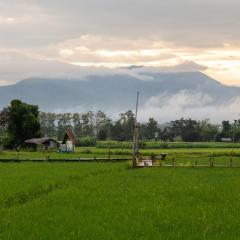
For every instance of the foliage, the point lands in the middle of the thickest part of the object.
(209, 131)
(4, 117)
(150, 129)
(98, 125)
(188, 129)
(122, 130)
(103, 126)
(23, 123)
(87, 142)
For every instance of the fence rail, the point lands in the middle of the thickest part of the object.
(174, 163)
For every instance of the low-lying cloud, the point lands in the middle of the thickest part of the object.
(184, 104)
(19, 64)
(189, 104)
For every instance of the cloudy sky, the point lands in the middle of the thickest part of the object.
(62, 37)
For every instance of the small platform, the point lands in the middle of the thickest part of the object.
(146, 163)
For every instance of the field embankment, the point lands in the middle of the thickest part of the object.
(182, 156)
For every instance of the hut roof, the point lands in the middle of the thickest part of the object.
(69, 135)
(39, 141)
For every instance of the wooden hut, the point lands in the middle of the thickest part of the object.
(43, 143)
(69, 141)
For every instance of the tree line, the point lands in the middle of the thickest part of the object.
(20, 121)
(98, 125)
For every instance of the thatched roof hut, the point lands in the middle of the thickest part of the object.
(69, 136)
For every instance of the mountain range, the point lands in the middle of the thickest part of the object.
(114, 92)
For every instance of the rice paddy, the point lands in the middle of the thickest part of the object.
(112, 201)
(109, 200)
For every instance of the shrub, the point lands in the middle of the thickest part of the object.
(86, 151)
(164, 145)
(87, 142)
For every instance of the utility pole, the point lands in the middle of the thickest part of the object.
(235, 125)
(135, 136)
(108, 138)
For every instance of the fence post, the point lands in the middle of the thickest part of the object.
(231, 163)
(109, 154)
(122, 150)
(173, 162)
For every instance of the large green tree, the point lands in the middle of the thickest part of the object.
(151, 129)
(103, 126)
(209, 131)
(23, 123)
(122, 130)
(189, 130)
(48, 124)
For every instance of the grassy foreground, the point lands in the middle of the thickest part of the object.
(111, 201)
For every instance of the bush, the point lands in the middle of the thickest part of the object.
(86, 151)
(118, 152)
(164, 145)
(142, 144)
(114, 144)
(87, 142)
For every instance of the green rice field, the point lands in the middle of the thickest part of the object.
(109, 200)
(112, 201)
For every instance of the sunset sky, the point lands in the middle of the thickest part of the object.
(39, 36)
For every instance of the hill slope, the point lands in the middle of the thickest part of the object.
(112, 92)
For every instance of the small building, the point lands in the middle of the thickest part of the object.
(226, 139)
(44, 143)
(69, 142)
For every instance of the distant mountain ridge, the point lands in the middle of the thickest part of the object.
(111, 92)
